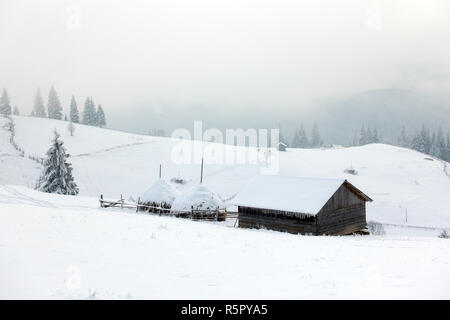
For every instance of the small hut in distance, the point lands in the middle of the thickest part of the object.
(302, 205)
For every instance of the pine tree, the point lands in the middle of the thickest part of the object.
(39, 108)
(422, 141)
(281, 136)
(57, 172)
(369, 135)
(5, 107)
(434, 151)
(316, 140)
(54, 105)
(74, 115)
(375, 137)
(363, 136)
(16, 111)
(440, 144)
(300, 138)
(447, 148)
(89, 113)
(101, 120)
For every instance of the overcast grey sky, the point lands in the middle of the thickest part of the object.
(233, 53)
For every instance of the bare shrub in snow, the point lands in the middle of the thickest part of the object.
(444, 235)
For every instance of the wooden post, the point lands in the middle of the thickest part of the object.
(160, 171)
(121, 201)
(406, 215)
(137, 204)
(201, 173)
(101, 201)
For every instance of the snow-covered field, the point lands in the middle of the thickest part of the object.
(400, 181)
(64, 247)
(55, 246)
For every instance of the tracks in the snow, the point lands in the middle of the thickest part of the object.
(112, 148)
(24, 198)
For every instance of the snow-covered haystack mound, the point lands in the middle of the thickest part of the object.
(198, 198)
(160, 193)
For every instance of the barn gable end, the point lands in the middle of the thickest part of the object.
(302, 205)
(344, 212)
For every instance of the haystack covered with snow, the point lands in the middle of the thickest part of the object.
(159, 193)
(198, 198)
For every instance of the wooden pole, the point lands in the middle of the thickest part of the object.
(121, 201)
(201, 173)
(160, 171)
(137, 204)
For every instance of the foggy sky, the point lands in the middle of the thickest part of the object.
(239, 55)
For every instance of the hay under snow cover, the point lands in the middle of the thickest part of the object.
(160, 192)
(199, 197)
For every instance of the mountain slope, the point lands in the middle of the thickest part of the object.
(407, 187)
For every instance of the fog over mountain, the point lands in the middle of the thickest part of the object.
(162, 64)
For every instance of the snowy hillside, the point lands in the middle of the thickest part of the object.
(400, 181)
(54, 246)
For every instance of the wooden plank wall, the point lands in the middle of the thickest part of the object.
(342, 221)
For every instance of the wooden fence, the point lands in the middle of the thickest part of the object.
(194, 214)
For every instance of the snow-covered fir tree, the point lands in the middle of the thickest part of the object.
(281, 136)
(5, 107)
(447, 148)
(438, 149)
(39, 108)
(74, 114)
(16, 111)
(422, 141)
(316, 140)
(375, 137)
(369, 135)
(101, 120)
(363, 136)
(57, 176)
(89, 113)
(54, 105)
(300, 138)
(403, 140)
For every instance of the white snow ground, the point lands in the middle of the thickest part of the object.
(54, 246)
(65, 247)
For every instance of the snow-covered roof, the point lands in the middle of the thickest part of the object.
(293, 194)
(200, 198)
(160, 192)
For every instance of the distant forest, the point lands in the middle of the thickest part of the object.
(92, 115)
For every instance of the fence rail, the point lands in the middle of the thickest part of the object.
(194, 214)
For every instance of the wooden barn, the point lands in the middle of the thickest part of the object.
(302, 205)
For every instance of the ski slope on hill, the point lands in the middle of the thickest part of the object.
(407, 187)
(65, 247)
